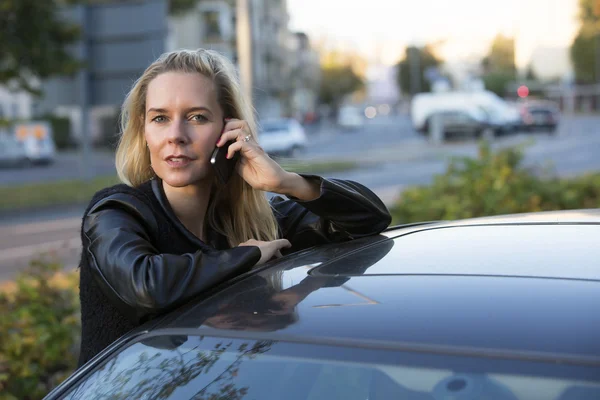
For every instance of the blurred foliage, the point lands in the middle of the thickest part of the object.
(583, 54)
(497, 82)
(499, 68)
(501, 56)
(61, 131)
(494, 183)
(585, 45)
(530, 74)
(33, 43)
(427, 59)
(109, 131)
(337, 82)
(39, 328)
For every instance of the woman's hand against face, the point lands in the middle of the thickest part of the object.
(268, 250)
(254, 166)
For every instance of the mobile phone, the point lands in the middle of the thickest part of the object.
(223, 167)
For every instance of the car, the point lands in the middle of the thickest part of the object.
(350, 118)
(12, 152)
(282, 137)
(37, 140)
(498, 111)
(469, 122)
(487, 308)
(540, 115)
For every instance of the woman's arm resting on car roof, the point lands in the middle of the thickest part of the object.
(342, 210)
(132, 272)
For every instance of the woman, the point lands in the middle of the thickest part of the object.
(172, 231)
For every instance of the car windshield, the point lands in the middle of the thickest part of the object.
(192, 367)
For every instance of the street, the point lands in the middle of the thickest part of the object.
(394, 156)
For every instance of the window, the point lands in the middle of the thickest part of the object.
(191, 367)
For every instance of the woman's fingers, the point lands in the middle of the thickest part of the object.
(233, 130)
(282, 243)
(229, 136)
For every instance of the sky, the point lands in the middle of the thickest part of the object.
(467, 27)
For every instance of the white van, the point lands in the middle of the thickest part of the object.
(498, 112)
(37, 141)
(12, 152)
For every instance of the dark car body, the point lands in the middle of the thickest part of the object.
(460, 123)
(540, 115)
(498, 308)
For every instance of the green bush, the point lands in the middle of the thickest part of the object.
(494, 183)
(39, 328)
(61, 131)
(109, 132)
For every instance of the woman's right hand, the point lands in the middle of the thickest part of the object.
(268, 250)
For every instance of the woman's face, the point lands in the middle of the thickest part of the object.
(182, 124)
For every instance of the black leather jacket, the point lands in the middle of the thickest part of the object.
(147, 264)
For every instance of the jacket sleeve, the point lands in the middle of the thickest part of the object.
(344, 210)
(132, 273)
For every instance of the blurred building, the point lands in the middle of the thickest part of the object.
(15, 105)
(211, 24)
(120, 39)
(276, 52)
(305, 77)
(121, 42)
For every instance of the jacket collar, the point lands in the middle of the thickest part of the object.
(214, 239)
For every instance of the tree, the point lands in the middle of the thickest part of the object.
(158, 374)
(501, 57)
(586, 45)
(497, 82)
(34, 43)
(338, 81)
(499, 65)
(530, 74)
(426, 59)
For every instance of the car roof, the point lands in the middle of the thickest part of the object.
(521, 285)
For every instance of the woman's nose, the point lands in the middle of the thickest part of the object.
(177, 133)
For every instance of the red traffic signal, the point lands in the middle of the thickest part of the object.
(523, 91)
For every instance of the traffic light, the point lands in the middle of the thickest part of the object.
(523, 91)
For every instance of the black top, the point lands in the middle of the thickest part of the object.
(139, 261)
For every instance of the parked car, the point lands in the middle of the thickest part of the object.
(282, 137)
(467, 122)
(540, 115)
(499, 113)
(12, 152)
(350, 118)
(496, 308)
(37, 141)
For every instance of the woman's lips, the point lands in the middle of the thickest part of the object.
(178, 161)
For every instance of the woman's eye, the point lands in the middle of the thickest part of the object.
(199, 118)
(159, 119)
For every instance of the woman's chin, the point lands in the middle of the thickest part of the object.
(180, 179)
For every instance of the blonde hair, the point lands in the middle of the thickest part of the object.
(235, 210)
